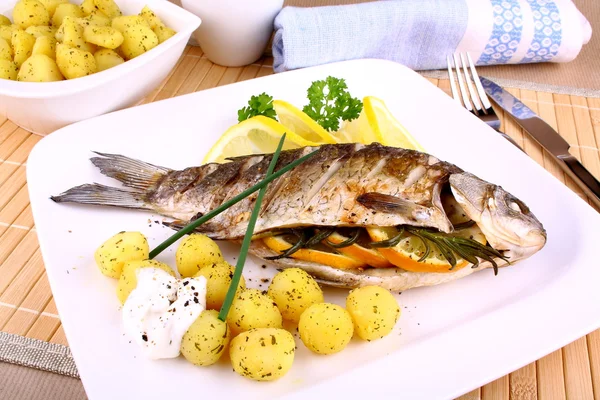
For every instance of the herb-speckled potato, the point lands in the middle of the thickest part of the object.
(206, 339)
(374, 311)
(94, 19)
(39, 68)
(128, 278)
(262, 354)
(294, 291)
(108, 8)
(218, 278)
(74, 63)
(6, 32)
(107, 58)
(196, 251)
(5, 21)
(104, 36)
(65, 10)
(72, 35)
(51, 5)
(22, 43)
(45, 45)
(8, 70)
(112, 255)
(126, 21)
(252, 309)
(137, 40)
(162, 32)
(30, 13)
(5, 50)
(88, 7)
(325, 328)
(38, 31)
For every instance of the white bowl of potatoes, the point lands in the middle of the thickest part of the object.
(63, 61)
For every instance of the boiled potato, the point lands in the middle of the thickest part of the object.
(127, 21)
(196, 251)
(96, 18)
(206, 339)
(112, 255)
(252, 309)
(104, 36)
(374, 311)
(72, 35)
(30, 13)
(128, 278)
(108, 8)
(325, 328)
(163, 33)
(39, 68)
(6, 51)
(66, 10)
(218, 278)
(262, 354)
(294, 291)
(137, 40)
(151, 18)
(38, 31)
(45, 45)
(106, 58)
(6, 32)
(8, 69)
(22, 43)
(51, 5)
(88, 7)
(4, 20)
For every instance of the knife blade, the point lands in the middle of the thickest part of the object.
(546, 136)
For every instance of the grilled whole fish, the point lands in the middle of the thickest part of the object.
(342, 186)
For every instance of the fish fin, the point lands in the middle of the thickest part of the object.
(133, 173)
(101, 195)
(386, 203)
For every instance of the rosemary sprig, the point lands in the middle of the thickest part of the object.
(193, 225)
(235, 280)
(346, 243)
(389, 242)
(302, 240)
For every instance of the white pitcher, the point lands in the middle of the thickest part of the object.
(234, 32)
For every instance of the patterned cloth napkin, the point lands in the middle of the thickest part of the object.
(421, 33)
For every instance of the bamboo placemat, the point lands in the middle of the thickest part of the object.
(27, 308)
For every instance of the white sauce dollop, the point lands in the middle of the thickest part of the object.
(160, 310)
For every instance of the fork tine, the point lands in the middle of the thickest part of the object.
(482, 95)
(461, 84)
(455, 95)
(474, 97)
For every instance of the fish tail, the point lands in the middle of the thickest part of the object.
(132, 173)
(101, 195)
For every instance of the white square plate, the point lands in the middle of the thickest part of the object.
(450, 338)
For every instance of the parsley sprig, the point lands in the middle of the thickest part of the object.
(257, 105)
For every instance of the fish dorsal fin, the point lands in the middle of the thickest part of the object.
(386, 203)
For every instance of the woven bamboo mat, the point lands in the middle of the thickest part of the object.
(27, 308)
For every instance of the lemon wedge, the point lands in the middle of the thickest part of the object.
(256, 135)
(385, 128)
(303, 125)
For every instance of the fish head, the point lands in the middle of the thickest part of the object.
(507, 223)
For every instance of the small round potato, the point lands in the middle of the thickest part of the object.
(38, 31)
(206, 339)
(196, 251)
(65, 10)
(8, 70)
(325, 328)
(112, 255)
(104, 36)
(294, 291)
(51, 5)
(262, 354)
(22, 43)
(45, 45)
(30, 13)
(107, 58)
(218, 278)
(126, 21)
(128, 278)
(374, 311)
(108, 8)
(75, 63)
(252, 309)
(39, 68)
(137, 40)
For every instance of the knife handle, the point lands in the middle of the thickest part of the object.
(590, 185)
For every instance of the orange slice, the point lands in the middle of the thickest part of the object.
(369, 256)
(410, 249)
(340, 261)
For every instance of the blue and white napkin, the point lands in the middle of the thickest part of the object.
(421, 33)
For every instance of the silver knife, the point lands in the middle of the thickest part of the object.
(546, 136)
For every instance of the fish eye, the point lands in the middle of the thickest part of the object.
(515, 207)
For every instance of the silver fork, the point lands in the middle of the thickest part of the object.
(472, 98)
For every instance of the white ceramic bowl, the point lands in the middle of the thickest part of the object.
(45, 107)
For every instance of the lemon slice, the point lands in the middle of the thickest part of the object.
(386, 129)
(299, 122)
(410, 249)
(256, 135)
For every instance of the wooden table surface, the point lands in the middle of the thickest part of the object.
(27, 308)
